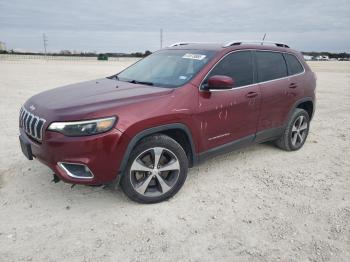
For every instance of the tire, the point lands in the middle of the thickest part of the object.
(144, 180)
(296, 131)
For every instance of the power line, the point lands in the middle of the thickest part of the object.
(161, 38)
(45, 41)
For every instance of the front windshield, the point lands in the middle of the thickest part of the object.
(167, 68)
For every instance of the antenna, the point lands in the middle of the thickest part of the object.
(161, 38)
(263, 39)
(45, 40)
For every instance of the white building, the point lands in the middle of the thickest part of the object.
(322, 58)
(2, 46)
(308, 57)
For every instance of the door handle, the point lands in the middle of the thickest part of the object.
(293, 85)
(251, 94)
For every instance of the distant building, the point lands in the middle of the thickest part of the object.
(322, 58)
(2, 46)
(308, 57)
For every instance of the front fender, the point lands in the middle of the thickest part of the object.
(153, 130)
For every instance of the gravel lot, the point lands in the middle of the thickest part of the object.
(255, 204)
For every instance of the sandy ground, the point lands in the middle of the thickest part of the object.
(256, 204)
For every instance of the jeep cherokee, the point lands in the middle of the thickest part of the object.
(145, 126)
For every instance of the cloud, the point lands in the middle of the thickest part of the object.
(93, 19)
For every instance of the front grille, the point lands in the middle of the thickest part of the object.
(31, 124)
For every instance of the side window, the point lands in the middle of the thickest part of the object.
(271, 65)
(238, 66)
(294, 66)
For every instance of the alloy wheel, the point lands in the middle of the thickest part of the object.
(299, 131)
(154, 172)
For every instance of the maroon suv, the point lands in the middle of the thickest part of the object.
(145, 126)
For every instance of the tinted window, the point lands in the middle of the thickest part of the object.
(294, 66)
(238, 65)
(271, 65)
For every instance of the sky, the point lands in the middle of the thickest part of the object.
(132, 25)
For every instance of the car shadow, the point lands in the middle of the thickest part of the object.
(109, 196)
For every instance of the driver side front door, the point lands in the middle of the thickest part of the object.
(227, 116)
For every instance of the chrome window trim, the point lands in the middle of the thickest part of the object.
(61, 165)
(240, 87)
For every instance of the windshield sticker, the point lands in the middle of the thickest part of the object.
(194, 56)
(182, 77)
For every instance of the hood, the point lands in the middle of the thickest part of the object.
(90, 98)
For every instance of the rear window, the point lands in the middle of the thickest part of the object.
(294, 66)
(270, 65)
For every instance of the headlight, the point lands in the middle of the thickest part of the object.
(83, 128)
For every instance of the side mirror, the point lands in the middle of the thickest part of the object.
(220, 82)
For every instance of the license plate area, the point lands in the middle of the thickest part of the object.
(26, 148)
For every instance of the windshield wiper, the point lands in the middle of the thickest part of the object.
(131, 81)
(113, 76)
(141, 82)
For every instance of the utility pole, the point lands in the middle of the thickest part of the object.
(161, 38)
(45, 40)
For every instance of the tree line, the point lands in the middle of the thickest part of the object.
(342, 55)
(85, 54)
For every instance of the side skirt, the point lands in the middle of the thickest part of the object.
(260, 137)
(269, 134)
(225, 148)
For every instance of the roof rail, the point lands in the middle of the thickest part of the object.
(240, 42)
(187, 43)
(178, 44)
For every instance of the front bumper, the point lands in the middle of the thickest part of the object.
(101, 153)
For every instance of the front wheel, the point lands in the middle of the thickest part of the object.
(156, 170)
(296, 131)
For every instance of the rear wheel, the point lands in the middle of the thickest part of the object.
(296, 131)
(156, 170)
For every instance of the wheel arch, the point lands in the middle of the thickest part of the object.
(306, 103)
(308, 106)
(178, 131)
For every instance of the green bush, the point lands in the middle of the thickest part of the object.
(102, 57)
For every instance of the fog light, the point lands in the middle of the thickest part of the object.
(74, 170)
